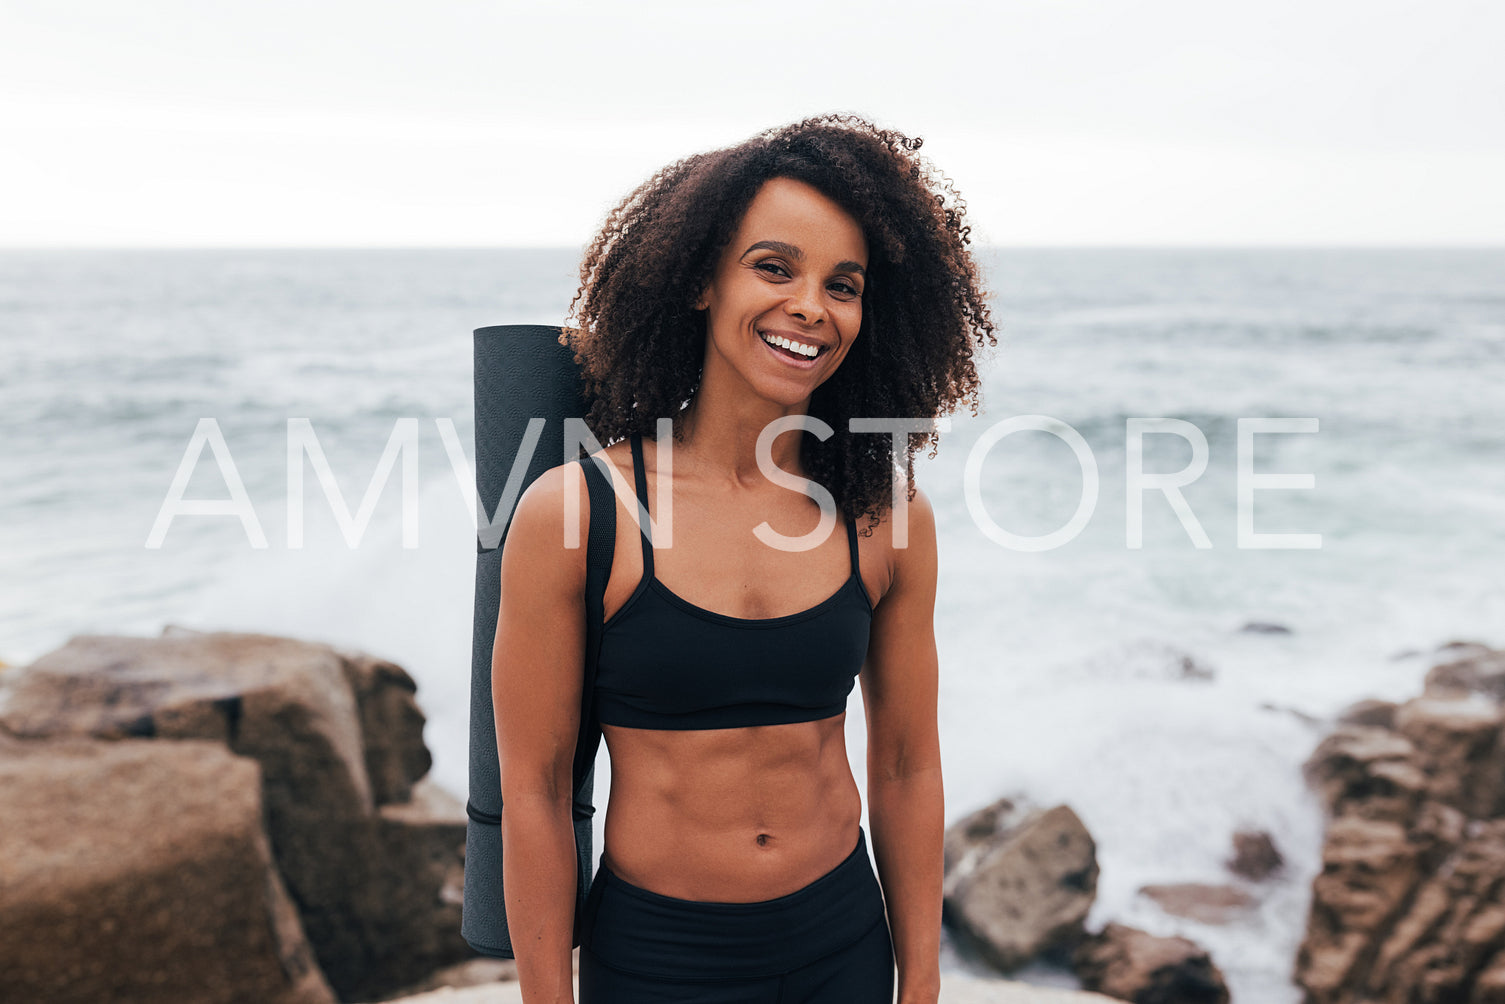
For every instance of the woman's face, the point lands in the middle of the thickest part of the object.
(793, 272)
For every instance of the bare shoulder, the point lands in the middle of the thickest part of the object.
(900, 677)
(921, 513)
(540, 536)
(917, 558)
(903, 544)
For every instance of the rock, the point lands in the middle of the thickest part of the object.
(1254, 855)
(1458, 747)
(1132, 965)
(391, 724)
(1408, 904)
(1264, 627)
(139, 871)
(1368, 869)
(285, 703)
(1380, 714)
(338, 736)
(1489, 987)
(388, 913)
(1453, 925)
(1019, 882)
(979, 832)
(1367, 770)
(1479, 671)
(1404, 913)
(1211, 904)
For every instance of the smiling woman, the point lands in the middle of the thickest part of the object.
(816, 271)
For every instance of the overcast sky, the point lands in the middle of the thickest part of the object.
(471, 123)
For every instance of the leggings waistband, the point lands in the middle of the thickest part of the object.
(641, 931)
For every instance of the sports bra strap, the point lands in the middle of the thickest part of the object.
(640, 476)
(852, 540)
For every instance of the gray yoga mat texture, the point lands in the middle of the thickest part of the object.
(521, 372)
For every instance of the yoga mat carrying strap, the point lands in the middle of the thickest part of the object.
(521, 372)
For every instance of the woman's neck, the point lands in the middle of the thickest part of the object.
(721, 440)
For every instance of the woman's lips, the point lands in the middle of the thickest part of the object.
(785, 356)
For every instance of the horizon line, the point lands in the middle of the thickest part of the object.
(576, 248)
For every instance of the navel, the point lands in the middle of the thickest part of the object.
(764, 838)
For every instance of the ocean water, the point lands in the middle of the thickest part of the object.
(1062, 668)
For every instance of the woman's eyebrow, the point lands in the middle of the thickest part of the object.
(780, 247)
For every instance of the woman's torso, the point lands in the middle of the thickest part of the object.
(704, 805)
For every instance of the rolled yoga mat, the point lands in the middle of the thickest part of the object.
(521, 372)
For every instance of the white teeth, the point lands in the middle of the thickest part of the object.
(808, 351)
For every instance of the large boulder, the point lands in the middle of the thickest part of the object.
(1408, 903)
(339, 740)
(139, 872)
(1019, 881)
(287, 704)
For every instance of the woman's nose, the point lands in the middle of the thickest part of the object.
(805, 303)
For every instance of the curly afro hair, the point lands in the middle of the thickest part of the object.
(640, 341)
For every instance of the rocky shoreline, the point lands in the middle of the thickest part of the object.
(220, 817)
(1410, 904)
(225, 817)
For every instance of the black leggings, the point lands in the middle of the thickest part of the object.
(827, 942)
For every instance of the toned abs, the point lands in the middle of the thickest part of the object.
(730, 815)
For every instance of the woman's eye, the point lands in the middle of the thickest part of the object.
(845, 289)
(772, 267)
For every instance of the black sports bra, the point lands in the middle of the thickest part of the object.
(666, 663)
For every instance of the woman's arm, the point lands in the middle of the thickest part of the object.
(906, 806)
(536, 678)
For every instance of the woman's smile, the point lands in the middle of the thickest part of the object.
(792, 349)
